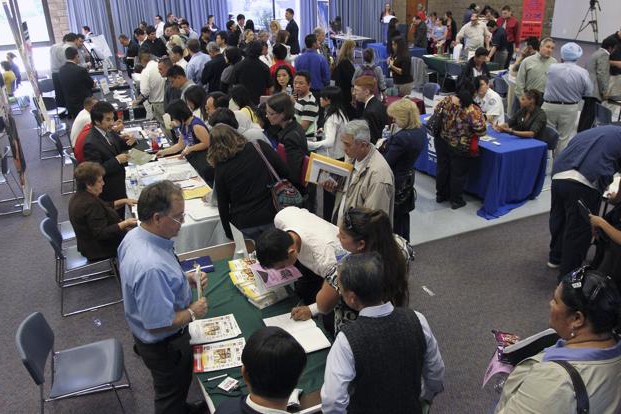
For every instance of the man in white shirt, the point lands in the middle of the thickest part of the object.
(159, 26)
(389, 354)
(82, 119)
(489, 101)
(476, 34)
(152, 86)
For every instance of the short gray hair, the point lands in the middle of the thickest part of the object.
(359, 129)
(157, 198)
(546, 40)
(319, 30)
(213, 47)
(363, 274)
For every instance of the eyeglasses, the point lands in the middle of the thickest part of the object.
(576, 281)
(180, 220)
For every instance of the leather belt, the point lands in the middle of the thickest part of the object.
(561, 103)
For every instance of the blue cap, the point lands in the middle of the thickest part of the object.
(571, 52)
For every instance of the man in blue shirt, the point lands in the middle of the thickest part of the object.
(566, 85)
(198, 60)
(314, 63)
(157, 296)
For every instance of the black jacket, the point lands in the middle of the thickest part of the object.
(77, 85)
(132, 52)
(255, 76)
(96, 226)
(156, 47)
(241, 183)
(467, 74)
(375, 115)
(97, 149)
(293, 41)
(292, 136)
(212, 72)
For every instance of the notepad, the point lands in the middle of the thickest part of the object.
(199, 192)
(305, 332)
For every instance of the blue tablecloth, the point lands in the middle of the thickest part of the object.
(381, 54)
(505, 176)
(417, 51)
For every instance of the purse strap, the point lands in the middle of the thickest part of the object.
(582, 398)
(267, 163)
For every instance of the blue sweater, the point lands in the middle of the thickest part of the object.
(594, 153)
(316, 65)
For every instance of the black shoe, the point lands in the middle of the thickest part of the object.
(136, 350)
(457, 204)
(440, 199)
(197, 407)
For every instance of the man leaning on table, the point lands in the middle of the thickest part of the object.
(476, 34)
(158, 299)
(387, 360)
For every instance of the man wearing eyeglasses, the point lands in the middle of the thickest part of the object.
(158, 299)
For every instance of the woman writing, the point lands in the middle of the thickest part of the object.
(195, 97)
(401, 151)
(283, 80)
(462, 123)
(98, 228)
(344, 71)
(365, 230)
(195, 139)
(585, 312)
(400, 65)
(243, 181)
(529, 121)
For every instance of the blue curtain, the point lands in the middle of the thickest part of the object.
(127, 14)
(308, 18)
(363, 16)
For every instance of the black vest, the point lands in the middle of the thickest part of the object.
(388, 354)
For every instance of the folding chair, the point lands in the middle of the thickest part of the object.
(64, 161)
(69, 261)
(50, 210)
(550, 136)
(452, 71)
(603, 115)
(78, 371)
(430, 90)
(7, 174)
(500, 86)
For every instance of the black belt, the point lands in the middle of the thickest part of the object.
(166, 340)
(561, 103)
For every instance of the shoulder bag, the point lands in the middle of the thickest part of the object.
(582, 398)
(284, 194)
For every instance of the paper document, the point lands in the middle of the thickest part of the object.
(218, 356)
(214, 329)
(305, 332)
(140, 157)
(199, 192)
(323, 169)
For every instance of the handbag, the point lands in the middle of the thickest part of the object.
(284, 194)
(582, 397)
(405, 193)
(435, 121)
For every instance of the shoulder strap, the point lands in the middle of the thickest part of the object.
(267, 163)
(582, 398)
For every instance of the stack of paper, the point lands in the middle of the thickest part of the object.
(218, 356)
(305, 332)
(244, 279)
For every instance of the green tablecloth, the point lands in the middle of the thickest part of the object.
(224, 298)
(437, 63)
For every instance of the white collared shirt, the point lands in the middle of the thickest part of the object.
(152, 84)
(261, 409)
(491, 105)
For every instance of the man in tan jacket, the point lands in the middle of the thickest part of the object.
(372, 184)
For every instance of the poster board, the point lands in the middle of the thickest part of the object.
(568, 15)
(531, 24)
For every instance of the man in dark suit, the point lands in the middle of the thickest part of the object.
(374, 111)
(294, 33)
(132, 48)
(153, 44)
(105, 147)
(212, 72)
(76, 83)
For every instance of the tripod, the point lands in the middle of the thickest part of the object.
(591, 14)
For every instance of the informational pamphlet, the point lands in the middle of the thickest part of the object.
(219, 355)
(213, 329)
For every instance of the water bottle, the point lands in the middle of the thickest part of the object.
(386, 132)
(131, 114)
(289, 90)
(133, 178)
(105, 68)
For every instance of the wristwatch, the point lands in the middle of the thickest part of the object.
(192, 314)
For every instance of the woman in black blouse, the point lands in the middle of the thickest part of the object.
(392, 33)
(344, 72)
(530, 120)
(400, 65)
(242, 181)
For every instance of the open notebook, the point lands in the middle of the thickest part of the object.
(305, 332)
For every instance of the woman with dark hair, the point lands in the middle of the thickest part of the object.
(283, 80)
(98, 228)
(451, 31)
(386, 14)
(195, 97)
(282, 37)
(392, 33)
(530, 120)
(249, 25)
(195, 139)
(243, 181)
(400, 64)
(248, 38)
(280, 112)
(401, 151)
(232, 55)
(364, 230)
(240, 101)
(457, 144)
(585, 311)
(343, 73)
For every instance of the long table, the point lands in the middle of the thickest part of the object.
(419, 102)
(508, 171)
(224, 298)
(438, 63)
(202, 227)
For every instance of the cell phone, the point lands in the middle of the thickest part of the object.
(584, 210)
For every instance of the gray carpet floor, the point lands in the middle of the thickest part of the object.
(492, 278)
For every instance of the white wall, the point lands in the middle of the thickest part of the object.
(568, 15)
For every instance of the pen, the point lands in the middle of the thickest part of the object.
(218, 377)
(300, 303)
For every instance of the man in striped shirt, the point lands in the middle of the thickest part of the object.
(306, 107)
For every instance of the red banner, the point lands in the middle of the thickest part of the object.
(532, 18)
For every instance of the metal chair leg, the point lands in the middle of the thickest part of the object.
(118, 398)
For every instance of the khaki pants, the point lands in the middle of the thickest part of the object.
(563, 118)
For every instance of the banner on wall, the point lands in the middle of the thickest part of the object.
(531, 24)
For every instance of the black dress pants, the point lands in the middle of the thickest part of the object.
(170, 362)
(452, 172)
(570, 232)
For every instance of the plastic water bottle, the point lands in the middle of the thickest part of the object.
(386, 132)
(133, 179)
(289, 90)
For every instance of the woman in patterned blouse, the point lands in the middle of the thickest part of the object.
(462, 123)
